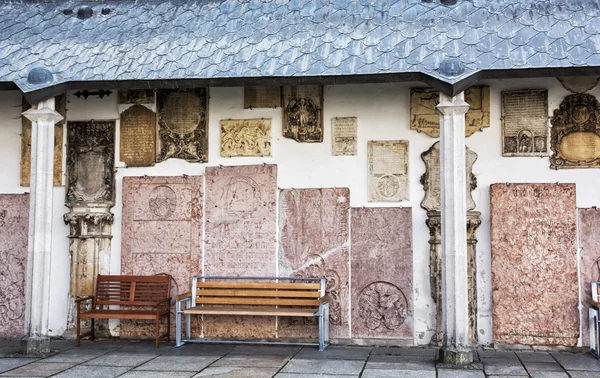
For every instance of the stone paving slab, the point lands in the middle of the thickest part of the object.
(93, 372)
(499, 366)
(571, 361)
(335, 353)
(548, 374)
(237, 372)
(39, 369)
(395, 351)
(76, 355)
(542, 366)
(177, 363)
(459, 373)
(252, 361)
(388, 373)
(399, 359)
(120, 359)
(496, 354)
(201, 350)
(157, 374)
(288, 375)
(535, 357)
(323, 366)
(583, 374)
(261, 350)
(401, 365)
(12, 363)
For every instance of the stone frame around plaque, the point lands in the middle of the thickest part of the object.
(527, 141)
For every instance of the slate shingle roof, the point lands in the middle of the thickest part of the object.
(155, 40)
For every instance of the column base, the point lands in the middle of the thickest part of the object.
(35, 346)
(452, 355)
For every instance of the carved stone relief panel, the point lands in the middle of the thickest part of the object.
(136, 96)
(579, 84)
(137, 144)
(525, 123)
(303, 113)
(575, 133)
(262, 97)
(589, 241)
(344, 132)
(534, 264)
(431, 178)
(424, 117)
(61, 107)
(162, 234)
(14, 225)
(314, 242)
(90, 161)
(240, 237)
(382, 273)
(388, 171)
(182, 124)
(246, 137)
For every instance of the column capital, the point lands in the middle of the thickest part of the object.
(44, 114)
(452, 105)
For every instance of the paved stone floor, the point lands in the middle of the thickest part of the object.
(107, 358)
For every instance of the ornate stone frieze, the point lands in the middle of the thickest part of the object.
(303, 113)
(246, 137)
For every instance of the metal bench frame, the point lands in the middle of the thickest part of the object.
(594, 317)
(322, 313)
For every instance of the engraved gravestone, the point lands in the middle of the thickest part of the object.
(262, 97)
(525, 123)
(344, 136)
(589, 241)
(246, 137)
(137, 136)
(303, 113)
(388, 171)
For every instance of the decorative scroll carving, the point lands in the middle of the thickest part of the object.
(382, 306)
(344, 136)
(303, 113)
(136, 96)
(262, 97)
(388, 171)
(575, 133)
(246, 137)
(90, 161)
(525, 123)
(182, 124)
(61, 107)
(138, 136)
(424, 117)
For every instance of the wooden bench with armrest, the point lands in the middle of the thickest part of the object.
(254, 296)
(152, 293)
(594, 316)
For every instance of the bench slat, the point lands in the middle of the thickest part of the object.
(258, 285)
(257, 293)
(257, 311)
(257, 301)
(120, 314)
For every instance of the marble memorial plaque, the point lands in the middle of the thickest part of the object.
(138, 133)
(382, 271)
(534, 264)
(344, 132)
(240, 237)
(14, 225)
(136, 96)
(388, 171)
(424, 117)
(162, 234)
(303, 113)
(246, 137)
(431, 178)
(525, 123)
(314, 242)
(90, 161)
(589, 241)
(575, 133)
(262, 97)
(182, 124)
(60, 105)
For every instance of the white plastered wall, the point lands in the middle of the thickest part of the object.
(383, 114)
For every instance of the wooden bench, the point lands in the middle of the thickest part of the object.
(254, 296)
(135, 291)
(594, 314)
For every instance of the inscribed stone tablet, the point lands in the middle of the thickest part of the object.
(138, 133)
(382, 271)
(136, 96)
(303, 113)
(423, 115)
(240, 237)
(589, 239)
(61, 107)
(314, 242)
(162, 233)
(262, 97)
(182, 124)
(525, 123)
(344, 139)
(388, 171)
(534, 264)
(246, 137)
(14, 225)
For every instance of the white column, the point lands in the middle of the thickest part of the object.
(43, 118)
(455, 302)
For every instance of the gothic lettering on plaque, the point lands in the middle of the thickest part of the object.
(182, 124)
(344, 140)
(525, 123)
(303, 113)
(388, 171)
(136, 96)
(246, 137)
(262, 97)
(138, 133)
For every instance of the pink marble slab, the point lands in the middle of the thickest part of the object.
(382, 273)
(240, 237)
(162, 234)
(589, 241)
(534, 264)
(14, 226)
(314, 242)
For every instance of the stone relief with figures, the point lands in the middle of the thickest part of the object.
(245, 137)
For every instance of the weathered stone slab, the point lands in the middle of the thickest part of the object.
(314, 242)
(262, 97)
(534, 264)
(246, 137)
(388, 171)
(303, 113)
(161, 234)
(137, 144)
(525, 123)
(589, 241)
(344, 139)
(14, 226)
(240, 237)
(382, 273)
(136, 96)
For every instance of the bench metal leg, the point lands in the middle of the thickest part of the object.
(188, 326)
(594, 320)
(178, 342)
(327, 325)
(324, 326)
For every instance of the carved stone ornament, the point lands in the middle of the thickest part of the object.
(303, 113)
(182, 124)
(388, 171)
(136, 96)
(246, 137)
(90, 161)
(525, 123)
(575, 133)
(579, 84)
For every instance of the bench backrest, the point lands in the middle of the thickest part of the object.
(595, 291)
(131, 290)
(258, 291)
